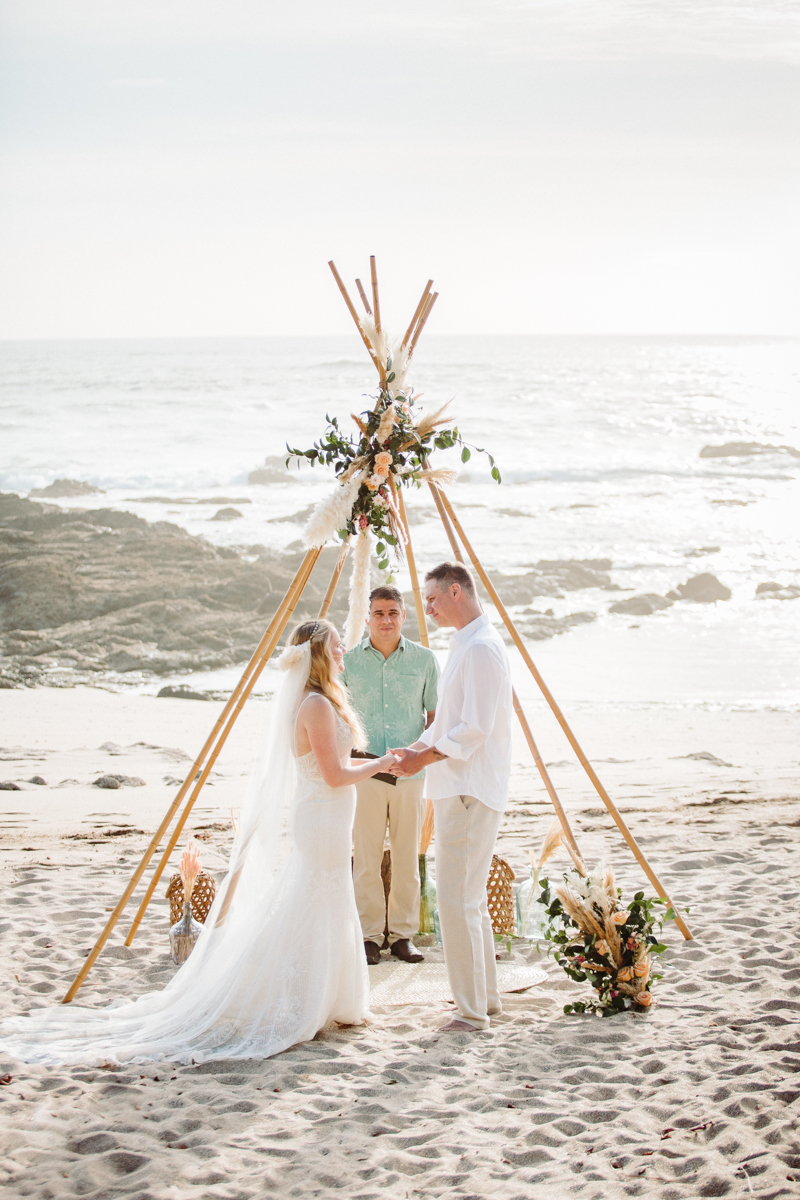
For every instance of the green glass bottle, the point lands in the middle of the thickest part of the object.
(427, 897)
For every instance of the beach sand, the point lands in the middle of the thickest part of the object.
(696, 1097)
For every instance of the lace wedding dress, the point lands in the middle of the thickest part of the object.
(281, 954)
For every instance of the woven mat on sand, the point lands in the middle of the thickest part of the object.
(426, 983)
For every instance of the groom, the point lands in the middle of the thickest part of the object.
(467, 750)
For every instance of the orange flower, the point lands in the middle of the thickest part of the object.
(642, 969)
(644, 998)
(383, 462)
(621, 918)
(601, 947)
(624, 974)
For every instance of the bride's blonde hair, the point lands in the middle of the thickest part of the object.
(323, 675)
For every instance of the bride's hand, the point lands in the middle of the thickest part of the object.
(389, 760)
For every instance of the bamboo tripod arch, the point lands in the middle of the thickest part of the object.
(461, 546)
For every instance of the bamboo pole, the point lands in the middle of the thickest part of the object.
(417, 312)
(523, 720)
(573, 741)
(363, 296)
(94, 953)
(425, 314)
(265, 657)
(337, 570)
(351, 309)
(376, 304)
(412, 565)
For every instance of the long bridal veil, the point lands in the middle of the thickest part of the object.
(215, 1004)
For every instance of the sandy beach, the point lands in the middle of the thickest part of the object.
(697, 1097)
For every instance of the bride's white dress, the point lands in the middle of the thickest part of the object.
(287, 960)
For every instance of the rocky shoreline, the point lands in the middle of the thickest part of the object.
(87, 594)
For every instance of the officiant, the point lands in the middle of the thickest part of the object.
(392, 683)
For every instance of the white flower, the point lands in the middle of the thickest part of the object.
(293, 656)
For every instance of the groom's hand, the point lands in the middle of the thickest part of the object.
(407, 762)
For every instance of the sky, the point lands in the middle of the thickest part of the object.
(188, 167)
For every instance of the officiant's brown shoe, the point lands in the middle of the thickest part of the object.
(373, 953)
(405, 950)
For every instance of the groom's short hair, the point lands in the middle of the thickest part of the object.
(387, 592)
(448, 573)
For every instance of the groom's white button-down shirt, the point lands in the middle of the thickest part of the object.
(472, 725)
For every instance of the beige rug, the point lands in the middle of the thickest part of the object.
(426, 983)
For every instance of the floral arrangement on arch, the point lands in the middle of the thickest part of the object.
(599, 941)
(391, 449)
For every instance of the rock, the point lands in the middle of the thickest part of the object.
(707, 756)
(8, 786)
(180, 691)
(226, 514)
(64, 488)
(701, 551)
(704, 589)
(118, 781)
(641, 606)
(37, 779)
(772, 591)
(553, 577)
(539, 628)
(273, 471)
(87, 592)
(745, 449)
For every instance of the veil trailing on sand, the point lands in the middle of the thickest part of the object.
(216, 1002)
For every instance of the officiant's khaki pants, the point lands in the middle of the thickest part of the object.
(465, 832)
(399, 807)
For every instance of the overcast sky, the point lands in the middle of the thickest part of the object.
(187, 167)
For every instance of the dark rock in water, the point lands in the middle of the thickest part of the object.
(701, 551)
(273, 471)
(553, 577)
(8, 786)
(181, 691)
(706, 756)
(539, 628)
(641, 606)
(226, 514)
(65, 488)
(118, 781)
(746, 449)
(37, 779)
(778, 591)
(84, 592)
(704, 589)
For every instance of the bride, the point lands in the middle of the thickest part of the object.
(281, 954)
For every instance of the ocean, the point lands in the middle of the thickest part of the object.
(598, 439)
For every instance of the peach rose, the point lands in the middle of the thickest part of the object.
(625, 974)
(641, 969)
(383, 462)
(621, 918)
(643, 998)
(601, 947)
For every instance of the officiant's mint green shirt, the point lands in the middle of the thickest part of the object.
(392, 695)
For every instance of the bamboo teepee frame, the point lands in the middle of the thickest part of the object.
(202, 765)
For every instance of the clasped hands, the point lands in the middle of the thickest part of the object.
(409, 761)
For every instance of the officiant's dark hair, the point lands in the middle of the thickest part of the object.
(448, 573)
(386, 592)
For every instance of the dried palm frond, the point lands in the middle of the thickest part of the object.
(189, 868)
(439, 475)
(580, 910)
(551, 843)
(430, 421)
(333, 511)
(355, 465)
(359, 423)
(575, 855)
(359, 592)
(388, 422)
(426, 834)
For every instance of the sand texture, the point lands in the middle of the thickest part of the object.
(697, 1097)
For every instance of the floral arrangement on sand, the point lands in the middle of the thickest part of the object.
(600, 941)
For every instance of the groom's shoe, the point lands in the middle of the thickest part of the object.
(373, 953)
(405, 950)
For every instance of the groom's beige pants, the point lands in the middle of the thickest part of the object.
(466, 831)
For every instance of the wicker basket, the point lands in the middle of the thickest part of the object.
(501, 896)
(202, 897)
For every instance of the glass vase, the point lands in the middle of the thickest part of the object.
(437, 929)
(183, 935)
(427, 897)
(531, 917)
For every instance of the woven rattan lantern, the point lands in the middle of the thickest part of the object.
(202, 897)
(500, 895)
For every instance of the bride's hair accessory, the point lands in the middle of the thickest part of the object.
(293, 656)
